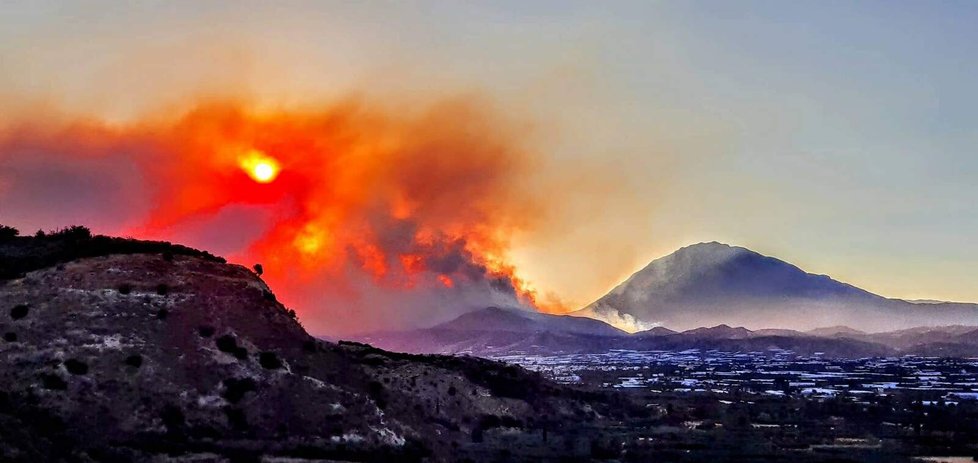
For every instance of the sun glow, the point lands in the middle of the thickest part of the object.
(259, 166)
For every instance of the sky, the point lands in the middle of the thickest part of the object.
(838, 136)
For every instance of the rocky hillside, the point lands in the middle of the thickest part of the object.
(179, 356)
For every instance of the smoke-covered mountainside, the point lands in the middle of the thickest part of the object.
(175, 355)
(712, 283)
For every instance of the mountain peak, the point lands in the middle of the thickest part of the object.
(713, 283)
(710, 247)
(707, 244)
(722, 331)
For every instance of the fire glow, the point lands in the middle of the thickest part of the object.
(358, 199)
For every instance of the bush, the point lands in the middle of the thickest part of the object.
(134, 360)
(162, 289)
(269, 361)
(76, 367)
(226, 343)
(375, 390)
(74, 232)
(229, 344)
(235, 389)
(237, 420)
(205, 331)
(173, 418)
(8, 233)
(53, 382)
(19, 311)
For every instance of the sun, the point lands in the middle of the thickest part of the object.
(261, 167)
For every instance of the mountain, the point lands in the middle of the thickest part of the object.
(713, 283)
(118, 350)
(525, 321)
(498, 332)
(837, 330)
(657, 331)
(778, 332)
(718, 332)
(908, 338)
(495, 330)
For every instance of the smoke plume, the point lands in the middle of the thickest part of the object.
(364, 216)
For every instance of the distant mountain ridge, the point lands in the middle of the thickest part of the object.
(496, 329)
(524, 321)
(506, 331)
(712, 283)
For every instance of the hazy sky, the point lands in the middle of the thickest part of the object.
(839, 136)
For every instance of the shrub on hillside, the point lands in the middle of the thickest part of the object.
(8, 233)
(19, 255)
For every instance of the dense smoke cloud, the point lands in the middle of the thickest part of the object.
(364, 216)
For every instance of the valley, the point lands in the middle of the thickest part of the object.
(775, 373)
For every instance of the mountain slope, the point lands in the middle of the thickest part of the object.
(713, 283)
(145, 357)
(524, 321)
(503, 330)
(718, 332)
(494, 332)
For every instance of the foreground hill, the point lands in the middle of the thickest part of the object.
(177, 355)
(713, 283)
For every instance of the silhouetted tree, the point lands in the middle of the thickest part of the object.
(8, 233)
(259, 269)
(74, 232)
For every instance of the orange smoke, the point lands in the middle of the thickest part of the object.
(422, 199)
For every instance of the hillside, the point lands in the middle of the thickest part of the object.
(713, 283)
(133, 357)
